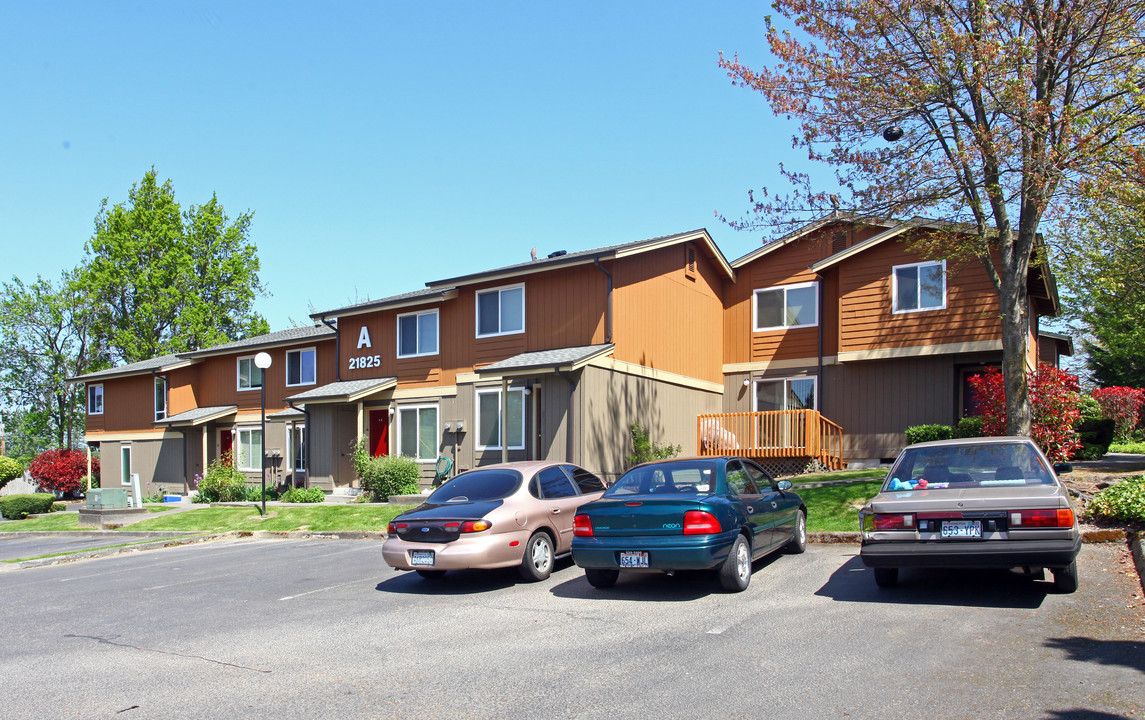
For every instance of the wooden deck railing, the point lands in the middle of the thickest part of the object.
(776, 434)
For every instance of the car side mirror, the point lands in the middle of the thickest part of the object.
(1060, 468)
(783, 485)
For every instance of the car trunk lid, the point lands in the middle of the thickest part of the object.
(641, 515)
(440, 522)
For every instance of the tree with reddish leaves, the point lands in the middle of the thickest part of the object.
(1056, 403)
(982, 115)
(62, 470)
(1122, 405)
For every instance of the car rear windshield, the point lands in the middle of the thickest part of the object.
(961, 466)
(478, 486)
(691, 477)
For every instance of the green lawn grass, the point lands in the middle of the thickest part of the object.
(318, 518)
(879, 473)
(835, 508)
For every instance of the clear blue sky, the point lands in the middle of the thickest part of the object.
(379, 144)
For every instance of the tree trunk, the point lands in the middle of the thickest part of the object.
(1015, 340)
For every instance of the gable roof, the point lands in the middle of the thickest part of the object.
(162, 363)
(584, 257)
(805, 230)
(290, 336)
(417, 297)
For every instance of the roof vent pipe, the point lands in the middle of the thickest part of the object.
(558, 253)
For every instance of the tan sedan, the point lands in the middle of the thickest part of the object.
(514, 514)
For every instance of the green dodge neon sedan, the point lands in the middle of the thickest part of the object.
(715, 513)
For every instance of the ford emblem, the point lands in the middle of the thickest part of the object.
(425, 529)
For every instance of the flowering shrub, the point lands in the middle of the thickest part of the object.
(62, 470)
(222, 483)
(1122, 405)
(1054, 400)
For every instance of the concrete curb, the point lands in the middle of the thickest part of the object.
(1135, 549)
(107, 552)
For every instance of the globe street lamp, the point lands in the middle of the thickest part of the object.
(262, 362)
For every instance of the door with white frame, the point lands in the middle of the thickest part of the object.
(777, 394)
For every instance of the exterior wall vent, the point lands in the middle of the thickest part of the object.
(689, 261)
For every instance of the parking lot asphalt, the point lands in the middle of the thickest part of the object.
(247, 628)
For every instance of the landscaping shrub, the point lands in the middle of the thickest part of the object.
(58, 507)
(1122, 405)
(926, 433)
(645, 450)
(62, 470)
(386, 475)
(1124, 501)
(222, 483)
(969, 427)
(1134, 447)
(10, 469)
(1054, 400)
(1096, 434)
(18, 507)
(304, 495)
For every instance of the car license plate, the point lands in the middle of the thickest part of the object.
(633, 559)
(422, 558)
(962, 529)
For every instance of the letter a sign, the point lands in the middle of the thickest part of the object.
(364, 338)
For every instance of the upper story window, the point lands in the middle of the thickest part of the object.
(250, 376)
(160, 398)
(95, 399)
(501, 311)
(789, 306)
(417, 334)
(919, 286)
(301, 367)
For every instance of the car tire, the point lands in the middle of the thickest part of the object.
(886, 577)
(431, 574)
(537, 564)
(798, 541)
(601, 578)
(1065, 579)
(735, 573)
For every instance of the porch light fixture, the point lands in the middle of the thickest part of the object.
(262, 362)
(747, 382)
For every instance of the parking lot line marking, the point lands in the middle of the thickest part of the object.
(718, 630)
(332, 587)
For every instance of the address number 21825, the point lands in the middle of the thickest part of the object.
(365, 361)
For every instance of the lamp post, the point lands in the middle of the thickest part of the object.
(262, 362)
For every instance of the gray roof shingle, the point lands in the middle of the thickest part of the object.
(546, 359)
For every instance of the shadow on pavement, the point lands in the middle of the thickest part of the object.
(682, 586)
(854, 582)
(1079, 714)
(467, 582)
(1104, 652)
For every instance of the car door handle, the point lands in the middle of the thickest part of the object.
(556, 511)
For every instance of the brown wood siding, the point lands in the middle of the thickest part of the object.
(181, 390)
(866, 309)
(128, 404)
(666, 320)
(218, 378)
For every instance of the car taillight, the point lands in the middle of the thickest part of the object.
(582, 526)
(894, 521)
(471, 526)
(1059, 518)
(396, 527)
(700, 522)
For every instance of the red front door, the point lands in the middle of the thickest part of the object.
(379, 432)
(226, 444)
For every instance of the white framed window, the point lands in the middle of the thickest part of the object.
(301, 367)
(792, 393)
(417, 334)
(919, 286)
(418, 432)
(296, 447)
(785, 307)
(124, 464)
(95, 399)
(249, 453)
(160, 398)
(489, 419)
(501, 311)
(249, 374)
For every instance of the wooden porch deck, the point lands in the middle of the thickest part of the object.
(777, 434)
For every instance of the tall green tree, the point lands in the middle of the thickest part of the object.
(1101, 265)
(171, 280)
(48, 333)
(985, 114)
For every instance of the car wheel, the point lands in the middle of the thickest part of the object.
(538, 561)
(886, 577)
(735, 573)
(798, 542)
(600, 578)
(1065, 579)
(431, 574)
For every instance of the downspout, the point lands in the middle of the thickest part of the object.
(608, 308)
(305, 438)
(337, 357)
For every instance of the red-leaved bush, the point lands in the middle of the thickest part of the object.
(62, 470)
(1054, 400)
(1121, 404)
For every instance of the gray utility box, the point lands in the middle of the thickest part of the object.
(106, 499)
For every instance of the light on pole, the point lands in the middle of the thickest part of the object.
(262, 362)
